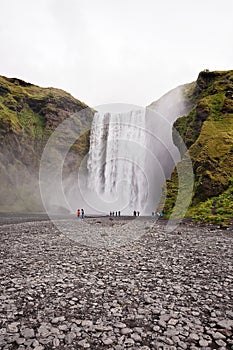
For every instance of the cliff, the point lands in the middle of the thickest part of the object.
(28, 116)
(207, 131)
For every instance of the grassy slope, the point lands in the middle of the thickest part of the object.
(208, 134)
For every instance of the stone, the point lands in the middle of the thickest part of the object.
(13, 327)
(87, 323)
(39, 347)
(194, 336)
(56, 342)
(126, 330)
(107, 341)
(20, 341)
(227, 324)
(136, 337)
(218, 335)
(70, 337)
(203, 342)
(83, 343)
(56, 320)
(27, 333)
(220, 342)
(119, 325)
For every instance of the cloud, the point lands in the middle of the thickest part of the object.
(106, 51)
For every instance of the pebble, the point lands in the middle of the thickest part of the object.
(153, 292)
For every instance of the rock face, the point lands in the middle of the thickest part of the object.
(207, 131)
(28, 116)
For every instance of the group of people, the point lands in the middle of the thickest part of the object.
(136, 213)
(157, 214)
(115, 213)
(80, 213)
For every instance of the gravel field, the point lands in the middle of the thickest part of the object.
(150, 290)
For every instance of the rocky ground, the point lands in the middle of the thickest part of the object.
(158, 290)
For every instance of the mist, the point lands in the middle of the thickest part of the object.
(106, 180)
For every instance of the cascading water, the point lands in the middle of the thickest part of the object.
(116, 163)
(131, 154)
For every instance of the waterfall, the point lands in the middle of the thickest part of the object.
(116, 162)
(130, 157)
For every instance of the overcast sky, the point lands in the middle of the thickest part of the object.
(105, 51)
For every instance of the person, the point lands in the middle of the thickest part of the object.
(78, 213)
(138, 213)
(82, 213)
(119, 213)
(113, 213)
(135, 213)
(153, 213)
(110, 213)
(116, 213)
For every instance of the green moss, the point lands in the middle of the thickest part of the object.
(28, 116)
(208, 133)
(216, 210)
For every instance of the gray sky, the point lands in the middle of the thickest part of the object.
(105, 51)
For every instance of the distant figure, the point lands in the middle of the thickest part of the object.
(153, 213)
(78, 213)
(119, 213)
(113, 213)
(110, 213)
(138, 213)
(135, 213)
(116, 213)
(82, 213)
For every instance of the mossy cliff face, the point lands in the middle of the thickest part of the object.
(28, 116)
(207, 131)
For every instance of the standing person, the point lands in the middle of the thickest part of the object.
(78, 213)
(138, 213)
(116, 213)
(119, 213)
(110, 213)
(113, 213)
(82, 213)
(135, 213)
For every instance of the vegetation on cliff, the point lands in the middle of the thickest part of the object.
(28, 116)
(207, 131)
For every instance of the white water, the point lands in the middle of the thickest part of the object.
(116, 163)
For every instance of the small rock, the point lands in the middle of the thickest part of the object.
(70, 337)
(28, 333)
(107, 341)
(87, 323)
(56, 342)
(83, 343)
(227, 324)
(194, 336)
(218, 335)
(126, 330)
(12, 327)
(220, 342)
(20, 341)
(119, 325)
(203, 342)
(39, 347)
(58, 319)
(136, 337)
